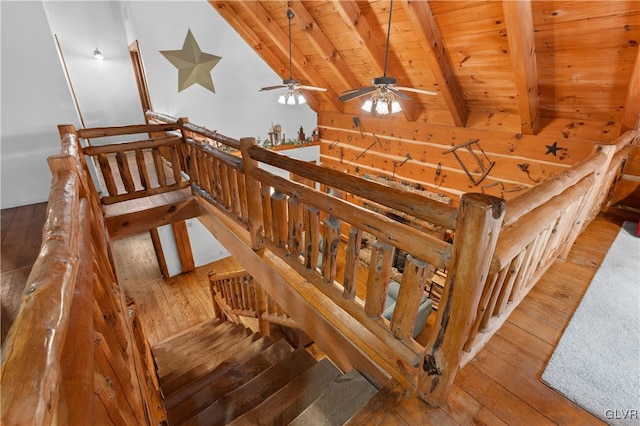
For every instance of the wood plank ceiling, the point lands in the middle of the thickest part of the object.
(531, 62)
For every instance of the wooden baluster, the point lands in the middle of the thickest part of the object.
(477, 229)
(487, 293)
(217, 180)
(125, 171)
(519, 290)
(261, 309)
(331, 240)
(107, 174)
(497, 306)
(142, 169)
(242, 194)
(217, 312)
(158, 163)
(206, 180)
(295, 227)
(224, 181)
(311, 236)
(351, 263)
(254, 203)
(416, 272)
(265, 194)
(378, 280)
(176, 167)
(233, 191)
(279, 217)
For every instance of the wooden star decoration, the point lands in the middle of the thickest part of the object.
(194, 66)
(553, 149)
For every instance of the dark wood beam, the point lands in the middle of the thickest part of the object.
(352, 14)
(631, 116)
(518, 20)
(280, 39)
(422, 20)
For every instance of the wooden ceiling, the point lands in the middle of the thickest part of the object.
(531, 62)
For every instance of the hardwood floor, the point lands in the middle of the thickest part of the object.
(501, 385)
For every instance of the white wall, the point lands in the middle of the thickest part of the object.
(106, 90)
(34, 101)
(236, 109)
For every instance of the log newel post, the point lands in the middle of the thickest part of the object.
(479, 221)
(254, 200)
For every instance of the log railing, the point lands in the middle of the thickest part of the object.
(69, 357)
(93, 372)
(540, 226)
(124, 167)
(235, 294)
(499, 251)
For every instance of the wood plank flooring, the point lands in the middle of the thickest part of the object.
(501, 385)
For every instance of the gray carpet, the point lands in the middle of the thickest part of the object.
(597, 362)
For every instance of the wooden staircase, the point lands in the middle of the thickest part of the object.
(219, 373)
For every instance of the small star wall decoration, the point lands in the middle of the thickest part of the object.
(194, 66)
(553, 149)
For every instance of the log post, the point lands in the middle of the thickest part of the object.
(254, 201)
(479, 221)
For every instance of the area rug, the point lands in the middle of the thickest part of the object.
(597, 361)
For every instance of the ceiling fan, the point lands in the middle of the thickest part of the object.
(292, 95)
(384, 90)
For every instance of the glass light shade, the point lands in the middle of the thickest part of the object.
(301, 99)
(367, 105)
(382, 107)
(395, 106)
(281, 99)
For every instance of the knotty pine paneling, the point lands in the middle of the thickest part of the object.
(513, 153)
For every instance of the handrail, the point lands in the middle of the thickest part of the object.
(98, 132)
(409, 202)
(33, 348)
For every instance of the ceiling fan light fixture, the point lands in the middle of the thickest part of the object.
(291, 96)
(382, 104)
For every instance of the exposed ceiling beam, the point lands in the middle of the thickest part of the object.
(324, 46)
(518, 19)
(281, 40)
(351, 13)
(631, 116)
(225, 10)
(422, 20)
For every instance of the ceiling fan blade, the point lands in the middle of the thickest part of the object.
(412, 89)
(279, 86)
(317, 89)
(399, 94)
(356, 93)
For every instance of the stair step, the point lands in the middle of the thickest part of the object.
(178, 348)
(341, 400)
(179, 362)
(287, 403)
(244, 398)
(193, 398)
(188, 333)
(204, 364)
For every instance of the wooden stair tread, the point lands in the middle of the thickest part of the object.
(173, 364)
(344, 397)
(292, 399)
(256, 390)
(193, 398)
(186, 334)
(205, 363)
(394, 404)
